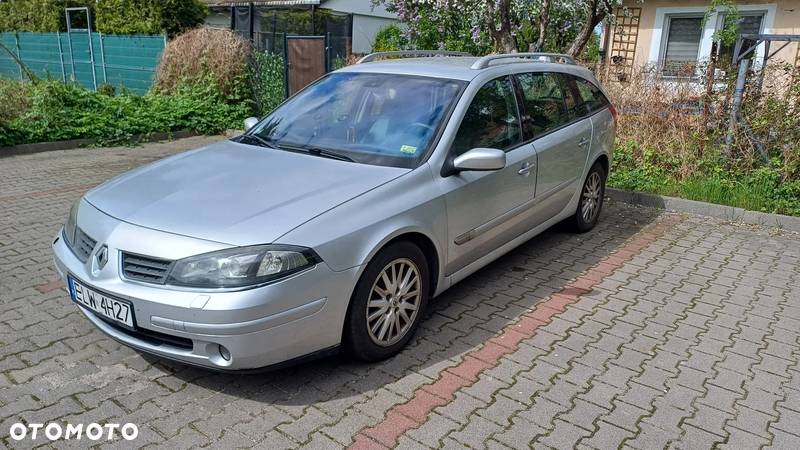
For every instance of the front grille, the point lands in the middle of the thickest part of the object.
(83, 245)
(145, 268)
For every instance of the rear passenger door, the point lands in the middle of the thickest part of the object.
(561, 135)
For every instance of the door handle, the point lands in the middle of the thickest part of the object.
(583, 142)
(526, 169)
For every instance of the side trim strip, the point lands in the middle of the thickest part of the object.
(506, 216)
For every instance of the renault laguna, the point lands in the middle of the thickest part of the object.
(331, 222)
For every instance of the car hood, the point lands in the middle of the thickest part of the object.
(234, 193)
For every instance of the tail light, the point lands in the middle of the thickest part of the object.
(614, 113)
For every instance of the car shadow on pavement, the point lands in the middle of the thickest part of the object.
(461, 319)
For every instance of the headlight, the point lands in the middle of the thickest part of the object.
(241, 266)
(72, 224)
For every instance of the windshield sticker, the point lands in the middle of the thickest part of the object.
(410, 149)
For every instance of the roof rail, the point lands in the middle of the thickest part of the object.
(409, 54)
(549, 57)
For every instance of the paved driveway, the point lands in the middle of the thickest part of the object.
(654, 330)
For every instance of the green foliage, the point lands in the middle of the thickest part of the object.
(109, 16)
(389, 38)
(148, 16)
(35, 15)
(8, 136)
(763, 189)
(59, 112)
(16, 99)
(178, 16)
(728, 34)
(265, 74)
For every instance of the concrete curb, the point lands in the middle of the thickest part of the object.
(724, 212)
(26, 149)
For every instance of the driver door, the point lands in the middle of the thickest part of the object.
(487, 209)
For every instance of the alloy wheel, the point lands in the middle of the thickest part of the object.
(393, 302)
(590, 205)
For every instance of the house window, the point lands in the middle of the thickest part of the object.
(682, 45)
(748, 23)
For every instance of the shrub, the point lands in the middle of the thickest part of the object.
(265, 73)
(200, 55)
(35, 15)
(110, 16)
(389, 38)
(15, 99)
(69, 111)
(148, 16)
(671, 139)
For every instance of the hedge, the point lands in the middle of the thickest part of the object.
(109, 16)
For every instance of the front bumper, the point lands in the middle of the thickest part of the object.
(257, 327)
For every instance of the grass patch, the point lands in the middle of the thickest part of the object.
(762, 189)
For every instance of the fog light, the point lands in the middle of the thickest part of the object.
(225, 353)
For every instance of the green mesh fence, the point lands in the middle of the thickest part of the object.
(123, 61)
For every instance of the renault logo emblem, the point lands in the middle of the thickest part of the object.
(101, 257)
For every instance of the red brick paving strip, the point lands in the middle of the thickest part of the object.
(414, 413)
(51, 286)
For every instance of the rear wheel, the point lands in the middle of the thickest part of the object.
(388, 302)
(591, 201)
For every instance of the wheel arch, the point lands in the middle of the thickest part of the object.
(604, 162)
(428, 249)
(418, 238)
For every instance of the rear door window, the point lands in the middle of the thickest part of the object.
(544, 105)
(491, 120)
(591, 98)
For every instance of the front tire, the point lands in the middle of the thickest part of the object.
(388, 302)
(591, 201)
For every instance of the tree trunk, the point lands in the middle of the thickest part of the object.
(501, 35)
(505, 42)
(544, 20)
(593, 17)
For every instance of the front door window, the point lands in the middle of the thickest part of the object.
(491, 120)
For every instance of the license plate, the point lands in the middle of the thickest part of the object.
(114, 309)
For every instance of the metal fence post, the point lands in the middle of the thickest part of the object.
(91, 60)
(16, 43)
(103, 58)
(71, 51)
(738, 96)
(61, 58)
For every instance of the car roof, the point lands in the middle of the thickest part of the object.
(459, 67)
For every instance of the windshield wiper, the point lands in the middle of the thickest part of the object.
(257, 140)
(316, 151)
(311, 150)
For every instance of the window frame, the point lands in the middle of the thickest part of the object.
(662, 53)
(762, 13)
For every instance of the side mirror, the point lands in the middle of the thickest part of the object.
(250, 122)
(480, 159)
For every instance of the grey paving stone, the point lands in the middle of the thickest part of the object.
(690, 343)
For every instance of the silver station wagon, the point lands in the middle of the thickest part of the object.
(331, 222)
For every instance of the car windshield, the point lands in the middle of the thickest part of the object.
(381, 119)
